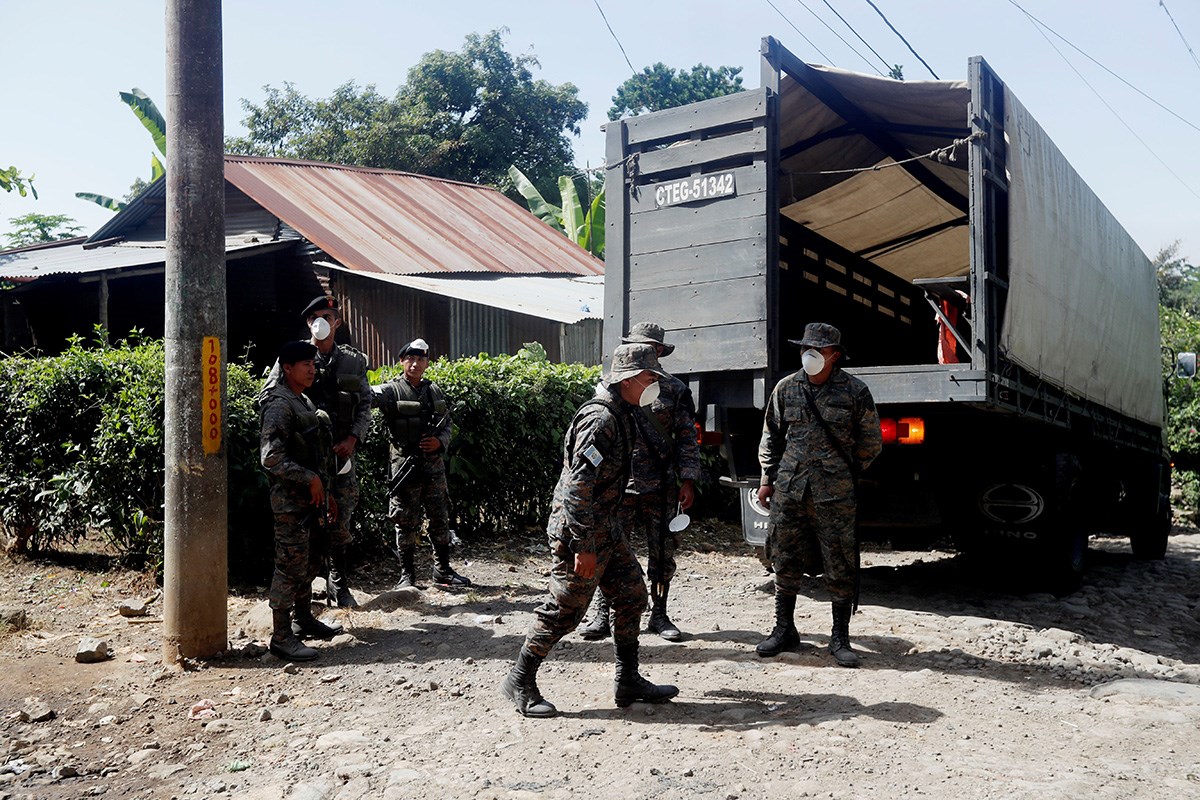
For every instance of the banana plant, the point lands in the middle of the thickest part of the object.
(584, 228)
(153, 121)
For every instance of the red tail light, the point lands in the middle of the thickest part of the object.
(707, 437)
(906, 430)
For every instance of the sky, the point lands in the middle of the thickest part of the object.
(64, 61)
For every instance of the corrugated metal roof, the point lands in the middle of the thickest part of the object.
(74, 259)
(376, 220)
(559, 298)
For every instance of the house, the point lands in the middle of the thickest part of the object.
(405, 255)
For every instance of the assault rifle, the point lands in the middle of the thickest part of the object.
(411, 461)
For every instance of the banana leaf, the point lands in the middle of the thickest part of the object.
(101, 200)
(546, 212)
(572, 214)
(145, 110)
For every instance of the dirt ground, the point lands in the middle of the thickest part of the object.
(965, 691)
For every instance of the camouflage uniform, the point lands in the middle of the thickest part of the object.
(343, 392)
(583, 519)
(426, 487)
(294, 445)
(659, 462)
(813, 507)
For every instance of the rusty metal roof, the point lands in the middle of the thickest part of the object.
(377, 220)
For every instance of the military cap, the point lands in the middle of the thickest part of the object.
(630, 360)
(648, 333)
(322, 303)
(291, 352)
(418, 346)
(820, 334)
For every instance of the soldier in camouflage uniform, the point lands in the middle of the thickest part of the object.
(665, 467)
(418, 422)
(820, 432)
(342, 391)
(295, 449)
(586, 542)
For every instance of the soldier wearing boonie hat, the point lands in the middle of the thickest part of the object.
(663, 472)
(586, 542)
(820, 432)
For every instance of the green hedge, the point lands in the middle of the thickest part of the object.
(81, 449)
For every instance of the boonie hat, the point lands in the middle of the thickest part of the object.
(629, 360)
(648, 333)
(291, 352)
(418, 346)
(322, 303)
(820, 334)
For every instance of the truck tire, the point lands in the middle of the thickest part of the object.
(1151, 544)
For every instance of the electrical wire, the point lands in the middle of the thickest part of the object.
(1191, 52)
(614, 35)
(906, 44)
(839, 36)
(1106, 69)
(828, 60)
(882, 60)
(1038, 27)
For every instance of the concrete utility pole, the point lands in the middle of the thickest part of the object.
(195, 546)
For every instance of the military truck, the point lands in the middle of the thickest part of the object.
(1005, 322)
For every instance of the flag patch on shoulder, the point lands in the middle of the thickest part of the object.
(593, 455)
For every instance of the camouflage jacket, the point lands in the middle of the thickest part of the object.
(406, 429)
(675, 456)
(341, 390)
(596, 452)
(294, 445)
(796, 453)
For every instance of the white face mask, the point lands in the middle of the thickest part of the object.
(812, 361)
(320, 329)
(649, 395)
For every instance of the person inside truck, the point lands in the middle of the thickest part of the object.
(820, 432)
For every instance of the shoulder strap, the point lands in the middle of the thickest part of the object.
(812, 408)
(623, 478)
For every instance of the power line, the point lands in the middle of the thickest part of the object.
(828, 60)
(1038, 27)
(614, 35)
(906, 44)
(882, 60)
(1191, 52)
(838, 35)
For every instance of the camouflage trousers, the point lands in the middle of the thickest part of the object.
(425, 491)
(813, 537)
(345, 494)
(618, 577)
(298, 556)
(645, 516)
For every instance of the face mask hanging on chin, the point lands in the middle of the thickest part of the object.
(320, 329)
(812, 362)
(649, 395)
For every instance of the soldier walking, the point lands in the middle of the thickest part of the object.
(342, 391)
(295, 449)
(820, 432)
(664, 469)
(586, 542)
(418, 422)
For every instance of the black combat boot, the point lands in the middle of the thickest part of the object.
(337, 582)
(784, 635)
(521, 686)
(305, 625)
(660, 623)
(839, 638)
(442, 572)
(598, 626)
(408, 571)
(630, 687)
(284, 643)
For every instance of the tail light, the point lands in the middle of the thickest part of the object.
(905, 430)
(707, 437)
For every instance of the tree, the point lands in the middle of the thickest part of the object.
(584, 228)
(11, 180)
(1178, 280)
(37, 228)
(659, 87)
(153, 121)
(463, 115)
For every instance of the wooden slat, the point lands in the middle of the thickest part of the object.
(672, 122)
(746, 180)
(717, 348)
(699, 305)
(744, 258)
(651, 233)
(703, 151)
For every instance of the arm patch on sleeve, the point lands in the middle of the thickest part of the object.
(593, 455)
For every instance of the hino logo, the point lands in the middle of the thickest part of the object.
(755, 506)
(1011, 503)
